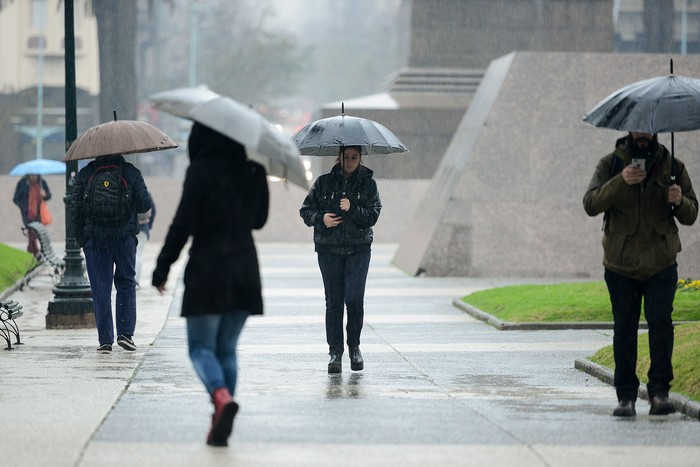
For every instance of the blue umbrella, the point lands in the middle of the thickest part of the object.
(39, 167)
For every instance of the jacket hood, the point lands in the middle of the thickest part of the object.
(205, 143)
(112, 159)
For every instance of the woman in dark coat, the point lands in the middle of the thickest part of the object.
(225, 196)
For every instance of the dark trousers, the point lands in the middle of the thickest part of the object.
(344, 279)
(626, 296)
(112, 261)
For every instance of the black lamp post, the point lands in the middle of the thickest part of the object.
(72, 305)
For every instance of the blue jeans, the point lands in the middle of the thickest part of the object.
(112, 260)
(344, 279)
(626, 298)
(212, 341)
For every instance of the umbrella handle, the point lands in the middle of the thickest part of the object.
(673, 150)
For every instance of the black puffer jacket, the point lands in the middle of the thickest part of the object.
(355, 233)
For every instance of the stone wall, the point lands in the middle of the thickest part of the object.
(506, 199)
(471, 33)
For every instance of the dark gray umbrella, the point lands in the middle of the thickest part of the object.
(657, 105)
(326, 137)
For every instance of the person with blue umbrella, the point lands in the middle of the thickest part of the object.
(30, 193)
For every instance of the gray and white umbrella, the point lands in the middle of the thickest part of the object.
(264, 143)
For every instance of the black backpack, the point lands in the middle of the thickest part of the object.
(106, 199)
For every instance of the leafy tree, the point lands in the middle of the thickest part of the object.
(241, 56)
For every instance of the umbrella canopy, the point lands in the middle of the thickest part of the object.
(657, 105)
(264, 143)
(326, 137)
(118, 137)
(39, 167)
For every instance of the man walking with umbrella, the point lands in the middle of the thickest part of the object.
(641, 189)
(110, 199)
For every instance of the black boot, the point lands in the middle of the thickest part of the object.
(625, 409)
(336, 363)
(660, 405)
(356, 362)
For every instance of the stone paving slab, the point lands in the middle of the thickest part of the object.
(439, 387)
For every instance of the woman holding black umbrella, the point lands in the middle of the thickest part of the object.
(342, 207)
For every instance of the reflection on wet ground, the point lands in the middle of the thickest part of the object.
(342, 386)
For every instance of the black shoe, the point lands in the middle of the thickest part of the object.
(336, 363)
(660, 405)
(105, 348)
(126, 343)
(624, 409)
(356, 362)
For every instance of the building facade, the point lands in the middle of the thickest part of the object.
(32, 77)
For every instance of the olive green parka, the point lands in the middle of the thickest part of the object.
(640, 236)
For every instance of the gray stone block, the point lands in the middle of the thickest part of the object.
(519, 164)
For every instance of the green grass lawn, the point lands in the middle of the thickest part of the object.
(686, 355)
(13, 264)
(589, 301)
(576, 301)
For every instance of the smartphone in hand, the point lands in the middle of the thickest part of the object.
(639, 164)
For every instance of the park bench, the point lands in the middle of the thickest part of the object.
(47, 256)
(9, 311)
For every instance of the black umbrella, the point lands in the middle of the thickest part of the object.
(657, 105)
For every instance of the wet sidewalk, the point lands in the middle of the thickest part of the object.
(439, 387)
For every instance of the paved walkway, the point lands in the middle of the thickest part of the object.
(439, 387)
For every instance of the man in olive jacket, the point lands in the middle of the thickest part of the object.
(635, 186)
